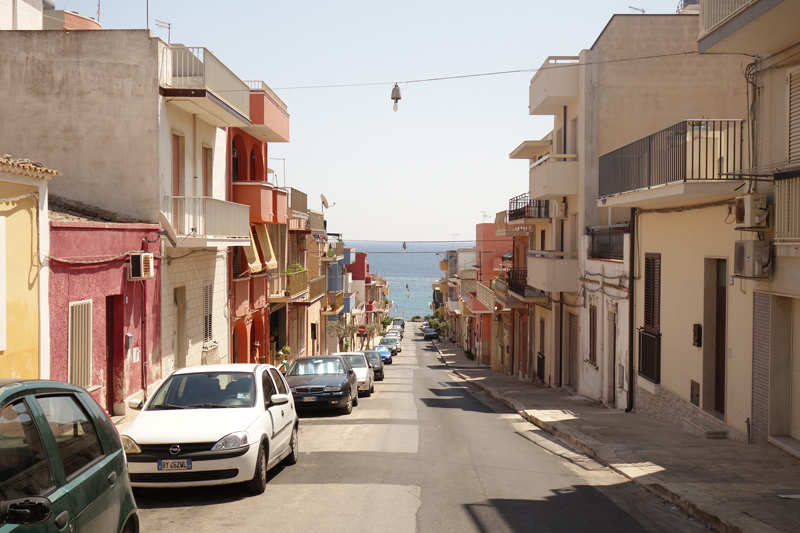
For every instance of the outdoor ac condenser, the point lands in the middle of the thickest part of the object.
(140, 267)
(751, 259)
(751, 211)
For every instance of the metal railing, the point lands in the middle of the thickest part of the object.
(258, 85)
(607, 242)
(691, 150)
(518, 283)
(334, 300)
(316, 288)
(196, 68)
(650, 356)
(299, 224)
(713, 12)
(523, 207)
(502, 223)
(209, 217)
(297, 282)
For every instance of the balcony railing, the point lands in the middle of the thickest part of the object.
(316, 221)
(371, 306)
(316, 288)
(333, 302)
(197, 68)
(258, 85)
(500, 287)
(207, 217)
(297, 282)
(607, 242)
(486, 295)
(690, 150)
(713, 12)
(298, 201)
(277, 285)
(504, 227)
(650, 356)
(523, 207)
(518, 284)
(299, 224)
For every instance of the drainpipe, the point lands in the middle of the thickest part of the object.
(144, 346)
(561, 300)
(631, 285)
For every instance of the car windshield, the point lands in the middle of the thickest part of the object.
(356, 360)
(382, 348)
(374, 357)
(317, 366)
(205, 390)
(388, 341)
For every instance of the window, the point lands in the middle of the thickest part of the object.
(208, 302)
(652, 293)
(268, 385)
(80, 343)
(75, 434)
(593, 335)
(23, 462)
(234, 163)
(252, 165)
(278, 381)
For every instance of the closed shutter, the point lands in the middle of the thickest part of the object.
(593, 335)
(794, 115)
(176, 177)
(208, 302)
(787, 201)
(80, 343)
(652, 292)
(206, 171)
(573, 350)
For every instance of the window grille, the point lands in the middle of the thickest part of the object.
(80, 343)
(208, 315)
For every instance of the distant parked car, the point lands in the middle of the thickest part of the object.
(364, 372)
(385, 352)
(398, 329)
(425, 325)
(393, 343)
(213, 425)
(61, 462)
(326, 381)
(399, 322)
(430, 333)
(374, 358)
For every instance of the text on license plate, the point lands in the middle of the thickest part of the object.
(175, 464)
(309, 399)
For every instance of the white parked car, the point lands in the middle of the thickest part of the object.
(397, 329)
(365, 375)
(213, 425)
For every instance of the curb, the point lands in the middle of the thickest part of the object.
(692, 509)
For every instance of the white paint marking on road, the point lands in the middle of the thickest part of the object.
(387, 438)
(383, 414)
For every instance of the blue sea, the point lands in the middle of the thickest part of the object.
(416, 268)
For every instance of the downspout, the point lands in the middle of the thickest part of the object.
(561, 304)
(631, 285)
(144, 346)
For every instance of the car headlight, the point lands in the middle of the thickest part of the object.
(234, 440)
(335, 388)
(292, 389)
(129, 445)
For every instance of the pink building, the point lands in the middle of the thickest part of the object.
(105, 328)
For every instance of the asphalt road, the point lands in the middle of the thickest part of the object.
(427, 453)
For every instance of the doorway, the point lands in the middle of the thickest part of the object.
(573, 350)
(179, 325)
(720, 333)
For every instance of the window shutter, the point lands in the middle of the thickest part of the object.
(652, 292)
(80, 343)
(208, 300)
(176, 177)
(593, 335)
(794, 115)
(206, 171)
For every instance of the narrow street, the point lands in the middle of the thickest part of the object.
(425, 452)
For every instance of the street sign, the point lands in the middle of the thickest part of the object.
(362, 329)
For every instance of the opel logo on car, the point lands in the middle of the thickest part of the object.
(175, 449)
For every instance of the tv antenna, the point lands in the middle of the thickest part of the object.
(639, 9)
(168, 26)
(453, 235)
(485, 216)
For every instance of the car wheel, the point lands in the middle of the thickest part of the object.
(130, 526)
(368, 392)
(372, 387)
(355, 400)
(291, 459)
(258, 484)
(348, 408)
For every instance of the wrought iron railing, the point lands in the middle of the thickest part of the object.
(523, 207)
(607, 242)
(690, 150)
(650, 356)
(712, 12)
(518, 283)
(207, 217)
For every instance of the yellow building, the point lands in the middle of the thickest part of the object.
(24, 346)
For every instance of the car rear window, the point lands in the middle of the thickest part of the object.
(75, 433)
(23, 462)
(356, 361)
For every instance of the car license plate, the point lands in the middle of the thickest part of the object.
(175, 464)
(309, 399)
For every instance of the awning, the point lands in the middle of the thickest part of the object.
(270, 261)
(251, 252)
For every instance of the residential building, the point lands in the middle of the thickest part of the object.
(765, 253)
(24, 268)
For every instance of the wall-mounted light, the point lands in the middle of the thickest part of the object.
(396, 96)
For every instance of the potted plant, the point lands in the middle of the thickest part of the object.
(273, 335)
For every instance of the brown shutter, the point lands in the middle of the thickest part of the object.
(794, 115)
(652, 292)
(206, 170)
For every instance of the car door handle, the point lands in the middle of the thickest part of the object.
(61, 519)
(112, 478)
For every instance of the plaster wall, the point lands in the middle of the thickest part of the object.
(25, 15)
(99, 92)
(682, 302)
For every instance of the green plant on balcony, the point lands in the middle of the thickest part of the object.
(273, 334)
(294, 268)
(331, 252)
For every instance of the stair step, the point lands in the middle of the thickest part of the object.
(702, 427)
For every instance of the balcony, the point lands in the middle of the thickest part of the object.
(502, 295)
(517, 280)
(475, 305)
(334, 303)
(298, 203)
(280, 205)
(486, 296)
(747, 26)
(299, 225)
(505, 228)
(297, 283)
(349, 302)
(258, 295)
(269, 118)
(200, 222)
(607, 242)
(468, 274)
(316, 289)
(524, 211)
(371, 306)
(693, 161)
(276, 288)
(553, 176)
(553, 271)
(443, 265)
(554, 85)
(199, 83)
(241, 296)
(316, 221)
(259, 196)
(335, 252)
(288, 287)
(464, 308)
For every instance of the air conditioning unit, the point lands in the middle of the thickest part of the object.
(558, 210)
(751, 211)
(751, 259)
(140, 267)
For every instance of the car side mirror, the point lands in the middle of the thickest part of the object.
(279, 399)
(27, 510)
(135, 404)
(351, 371)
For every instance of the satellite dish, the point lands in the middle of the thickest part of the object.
(324, 201)
(165, 223)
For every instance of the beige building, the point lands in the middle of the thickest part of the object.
(767, 31)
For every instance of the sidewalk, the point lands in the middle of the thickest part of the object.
(730, 486)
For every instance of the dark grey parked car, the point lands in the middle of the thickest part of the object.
(326, 381)
(430, 333)
(374, 358)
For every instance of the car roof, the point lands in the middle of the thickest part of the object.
(348, 353)
(234, 367)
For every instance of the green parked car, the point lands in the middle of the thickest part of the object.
(62, 467)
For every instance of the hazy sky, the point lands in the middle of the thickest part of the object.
(431, 168)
